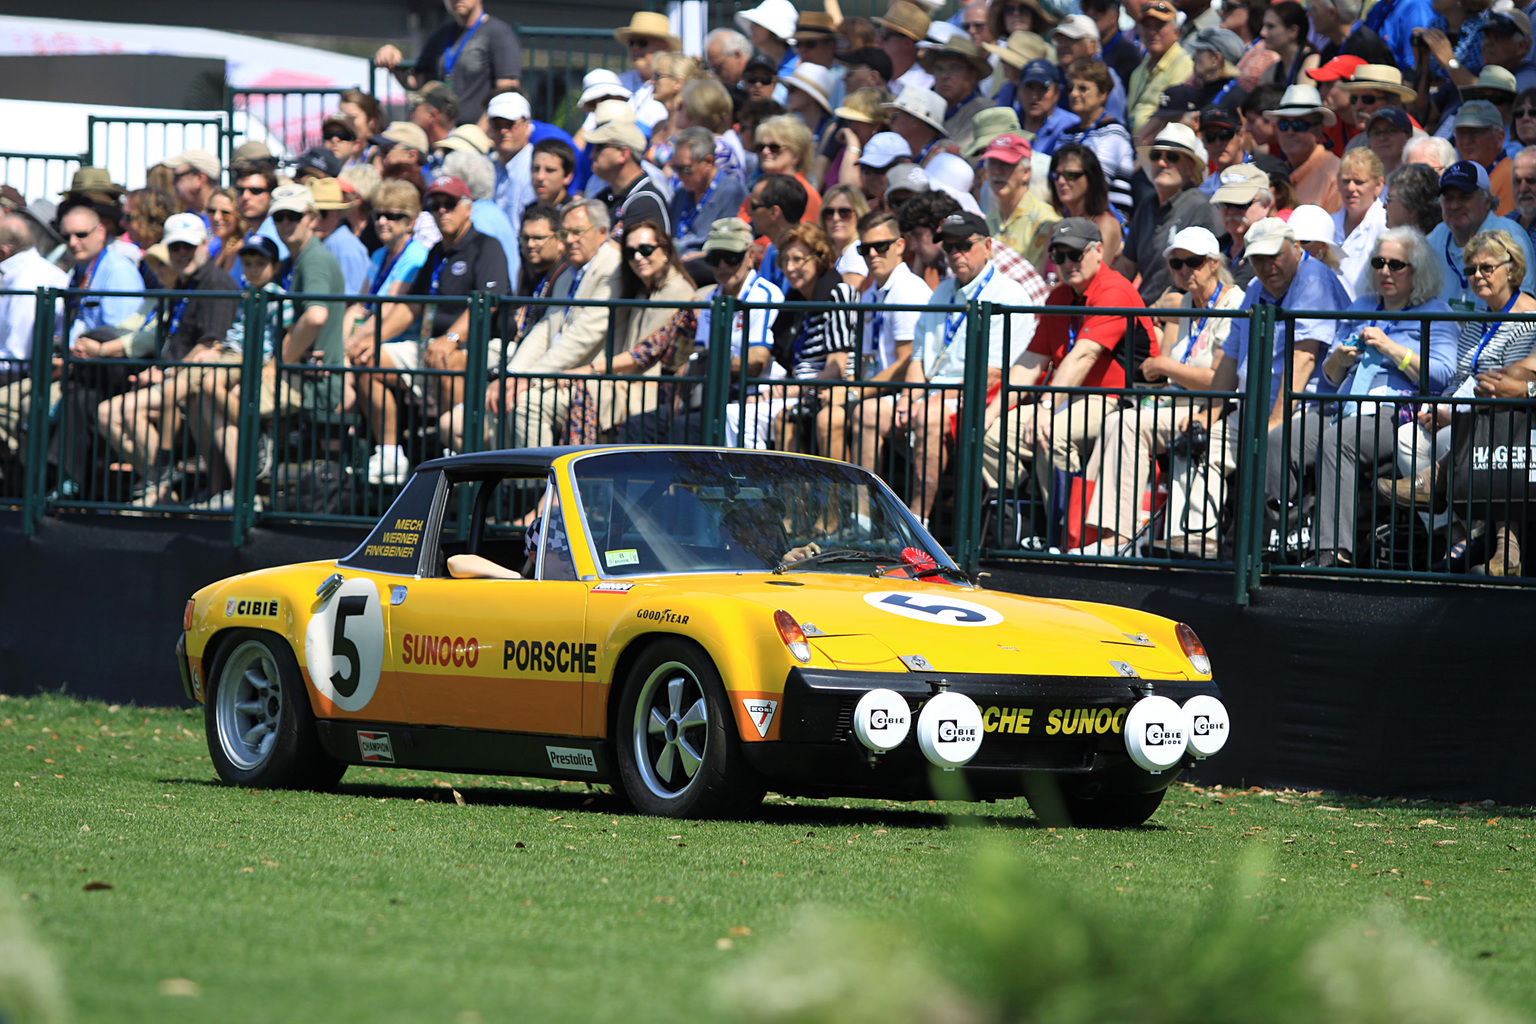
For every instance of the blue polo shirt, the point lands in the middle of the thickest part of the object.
(1315, 288)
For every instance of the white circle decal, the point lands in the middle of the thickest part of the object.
(933, 605)
(1156, 733)
(344, 645)
(1209, 724)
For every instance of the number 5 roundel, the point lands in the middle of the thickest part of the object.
(344, 645)
(933, 607)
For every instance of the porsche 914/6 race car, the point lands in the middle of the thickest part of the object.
(694, 626)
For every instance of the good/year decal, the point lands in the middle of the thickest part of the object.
(344, 645)
(934, 607)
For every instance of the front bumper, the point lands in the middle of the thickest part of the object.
(1062, 726)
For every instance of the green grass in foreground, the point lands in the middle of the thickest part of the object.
(160, 894)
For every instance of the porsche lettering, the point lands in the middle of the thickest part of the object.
(420, 649)
(549, 656)
(1011, 720)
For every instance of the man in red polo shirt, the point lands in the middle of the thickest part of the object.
(1076, 351)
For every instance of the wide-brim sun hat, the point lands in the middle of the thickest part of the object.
(1378, 78)
(649, 23)
(1312, 223)
(777, 16)
(813, 80)
(1302, 101)
(1180, 138)
(924, 104)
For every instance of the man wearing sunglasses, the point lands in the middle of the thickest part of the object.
(616, 149)
(1466, 207)
(727, 250)
(473, 52)
(1165, 66)
(1301, 118)
(1176, 161)
(254, 182)
(1226, 144)
(1055, 432)
(939, 350)
(703, 194)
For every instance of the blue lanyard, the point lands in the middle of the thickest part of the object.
(1200, 326)
(953, 321)
(1493, 328)
(952, 111)
(684, 223)
(1450, 259)
(181, 307)
(575, 283)
(388, 265)
(1224, 90)
(926, 150)
(437, 273)
(451, 57)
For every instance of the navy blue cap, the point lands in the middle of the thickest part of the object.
(1465, 176)
(1397, 115)
(261, 245)
(1042, 71)
(1174, 103)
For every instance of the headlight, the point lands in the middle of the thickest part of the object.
(1194, 650)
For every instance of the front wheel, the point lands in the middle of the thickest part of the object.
(679, 756)
(261, 732)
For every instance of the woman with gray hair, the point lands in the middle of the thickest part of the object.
(1379, 358)
(485, 216)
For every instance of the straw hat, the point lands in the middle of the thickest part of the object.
(813, 80)
(1378, 78)
(924, 104)
(1303, 101)
(1180, 138)
(1043, 18)
(93, 179)
(1022, 47)
(906, 18)
(961, 46)
(651, 24)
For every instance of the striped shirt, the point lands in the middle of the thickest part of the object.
(1511, 343)
(825, 333)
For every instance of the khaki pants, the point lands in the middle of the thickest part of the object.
(15, 404)
(536, 421)
(1074, 428)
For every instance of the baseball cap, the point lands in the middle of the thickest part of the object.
(905, 178)
(449, 186)
(343, 126)
(510, 106)
(467, 138)
(1078, 232)
(1239, 183)
(871, 57)
(1396, 115)
(1197, 240)
(1158, 10)
(730, 234)
(1041, 71)
(1220, 117)
(963, 225)
(618, 133)
(198, 160)
(321, 159)
(1009, 148)
(1179, 100)
(250, 151)
(402, 133)
(1464, 176)
(294, 198)
(185, 227)
(1512, 21)
(261, 245)
(1077, 26)
(435, 94)
(1340, 68)
(884, 149)
(1478, 114)
(1267, 237)
(1492, 79)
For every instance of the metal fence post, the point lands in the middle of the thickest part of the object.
(973, 411)
(476, 357)
(253, 316)
(35, 481)
(1253, 436)
(717, 369)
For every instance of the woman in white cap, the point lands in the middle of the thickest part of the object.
(1314, 230)
(1190, 344)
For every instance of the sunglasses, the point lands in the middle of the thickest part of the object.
(1365, 99)
(394, 215)
(644, 249)
(757, 204)
(1481, 269)
(724, 259)
(640, 42)
(331, 134)
(867, 249)
(442, 204)
(953, 248)
(1066, 175)
(1165, 156)
(1288, 125)
(254, 190)
(757, 78)
(769, 147)
(1016, 9)
(1061, 257)
(1218, 135)
(286, 217)
(1191, 263)
(1526, 112)
(838, 212)
(1396, 266)
(1235, 207)
(81, 235)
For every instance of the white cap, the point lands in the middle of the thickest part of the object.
(601, 84)
(185, 227)
(1315, 224)
(1197, 240)
(948, 169)
(1077, 26)
(907, 178)
(777, 16)
(924, 104)
(884, 149)
(1265, 237)
(939, 33)
(509, 106)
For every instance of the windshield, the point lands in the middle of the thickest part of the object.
(681, 511)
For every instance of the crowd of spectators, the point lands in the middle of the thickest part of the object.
(1166, 155)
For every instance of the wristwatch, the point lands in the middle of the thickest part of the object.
(1453, 64)
(452, 336)
(1530, 389)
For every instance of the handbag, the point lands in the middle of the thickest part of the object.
(1494, 457)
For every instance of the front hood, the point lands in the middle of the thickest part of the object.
(860, 621)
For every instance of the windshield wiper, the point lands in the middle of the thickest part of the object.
(923, 574)
(835, 555)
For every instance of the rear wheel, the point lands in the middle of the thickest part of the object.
(261, 732)
(678, 752)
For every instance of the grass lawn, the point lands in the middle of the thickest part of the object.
(163, 895)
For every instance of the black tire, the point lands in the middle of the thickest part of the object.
(261, 731)
(679, 755)
(1104, 810)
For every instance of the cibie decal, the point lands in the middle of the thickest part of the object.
(761, 712)
(571, 759)
(344, 645)
(246, 606)
(376, 746)
(929, 607)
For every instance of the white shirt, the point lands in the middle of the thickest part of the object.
(850, 262)
(939, 339)
(26, 271)
(750, 327)
(883, 330)
(1357, 245)
(914, 75)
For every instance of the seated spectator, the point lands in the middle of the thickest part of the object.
(313, 163)
(1340, 135)
(254, 182)
(1215, 53)
(1131, 437)
(958, 68)
(927, 416)
(771, 25)
(1285, 32)
(1301, 117)
(867, 67)
(317, 332)
(543, 260)
(900, 30)
(917, 115)
(473, 52)
(860, 118)
(1362, 217)
(1175, 162)
(651, 342)
(1376, 358)
(615, 148)
(761, 80)
(1077, 38)
(784, 147)
(869, 414)
(365, 116)
(1466, 209)
(1411, 198)
(197, 174)
(703, 194)
(391, 271)
(809, 90)
(1387, 131)
(1054, 433)
(777, 203)
(1041, 119)
(1480, 140)
(1373, 88)
(1497, 86)
(705, 103)
(1523, 177)
(1507, 44)
(1258, 125)
(1166, 63)
(1221, 132)
(1088, 86)
(1118, 49)
(883, 151)
(1244, 198)
(1004, 19)
(1078, 190)
(726, 53)
(23, 270)
(841, 209)
(339, 135)
(671, 71)
(402, 150)
(1017, 51)
(1435, 153)
(1018, 218)
(226, 228)
(331, 207)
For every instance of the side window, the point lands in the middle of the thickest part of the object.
(484, 516)
(555, 555)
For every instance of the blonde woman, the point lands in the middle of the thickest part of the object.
(841, 209)
(783, 146)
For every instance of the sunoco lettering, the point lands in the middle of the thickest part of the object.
(1082, 721)
(1014, 720)
(548, 656)
(662, 615)
(420, 649)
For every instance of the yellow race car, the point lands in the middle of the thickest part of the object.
(693, 626)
